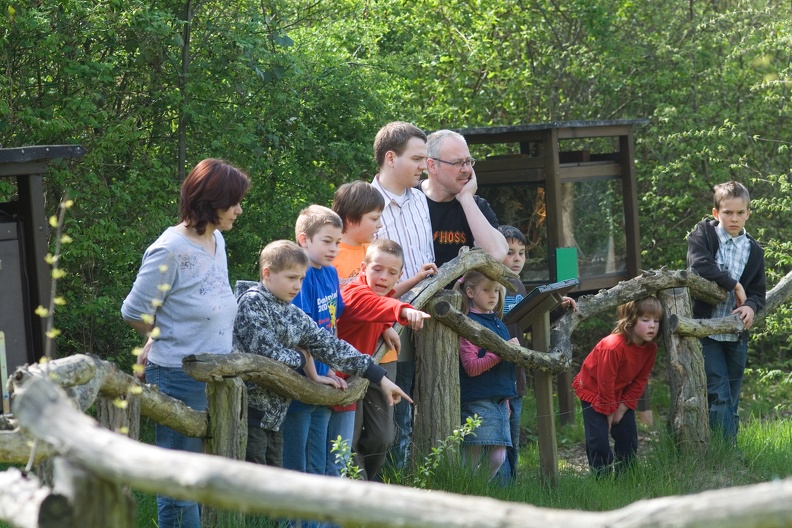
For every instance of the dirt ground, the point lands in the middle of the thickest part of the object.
(574, 457)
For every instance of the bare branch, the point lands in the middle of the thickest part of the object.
(685, 326)
(484, 337)
(87, 376)
(222, 483)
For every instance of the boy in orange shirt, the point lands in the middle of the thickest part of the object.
(360, 207)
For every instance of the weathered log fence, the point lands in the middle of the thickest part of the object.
(93, 462)
(233, 485)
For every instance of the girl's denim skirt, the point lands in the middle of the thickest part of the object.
(494, 428)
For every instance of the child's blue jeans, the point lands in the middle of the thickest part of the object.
(724, 363)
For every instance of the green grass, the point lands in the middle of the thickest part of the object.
(762, 454)
(661, 470)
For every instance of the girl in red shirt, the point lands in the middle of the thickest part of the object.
(612, 379)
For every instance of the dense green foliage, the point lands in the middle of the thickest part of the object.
(294, 92)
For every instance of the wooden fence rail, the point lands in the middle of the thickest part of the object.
(42, 411)
(43, 408)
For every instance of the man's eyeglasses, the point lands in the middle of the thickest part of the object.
(457, 164)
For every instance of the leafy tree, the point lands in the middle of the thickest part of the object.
(293, 92)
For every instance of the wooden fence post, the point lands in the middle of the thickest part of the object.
(96, 503)
(688, 416)
(124, 419)
(29, 504)
(436, 393)
(566, 397)
(545, 415)
(227, 437)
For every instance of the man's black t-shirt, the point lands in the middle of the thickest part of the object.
(450, 229)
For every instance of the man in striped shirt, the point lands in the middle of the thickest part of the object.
(400, 152)
(720, 250)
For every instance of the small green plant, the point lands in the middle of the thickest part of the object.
(424, 471)
(343, 457)
(53, 259)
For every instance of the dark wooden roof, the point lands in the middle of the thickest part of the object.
(503, 134)
(36, 153)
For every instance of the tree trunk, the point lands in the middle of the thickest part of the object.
(274, 375)
(227, 409)
(183, 92)
(484, 337)
(121, 414)
(545, 413)
(467, 260)
(96, 502)
(15, 447)
(688, 416)
(436, 380)
(87, 377)
(686, 327)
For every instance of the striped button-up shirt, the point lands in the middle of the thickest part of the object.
(732, 256)
(405, 220)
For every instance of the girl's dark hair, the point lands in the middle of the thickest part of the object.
(212, 185)
(629, 313)
(471, 279)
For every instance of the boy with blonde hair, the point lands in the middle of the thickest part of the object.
(268, 324)
(318, 231)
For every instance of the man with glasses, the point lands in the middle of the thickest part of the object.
(459, 217)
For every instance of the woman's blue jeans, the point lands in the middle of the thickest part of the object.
(174, 382)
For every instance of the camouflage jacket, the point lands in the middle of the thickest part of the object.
(268, 326)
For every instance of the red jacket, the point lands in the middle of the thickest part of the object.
(366, 315)
(615, 372)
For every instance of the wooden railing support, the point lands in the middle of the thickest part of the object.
(96, 502)
(436, 380)
(688, 416)
(121, 414)
(227, 411)
(30, 504)
(545, 415)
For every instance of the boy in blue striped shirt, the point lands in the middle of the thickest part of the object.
(722, 251)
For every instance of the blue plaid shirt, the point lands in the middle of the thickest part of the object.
(732, 256)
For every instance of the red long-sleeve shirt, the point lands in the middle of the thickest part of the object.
(615, 372)
(366, 315)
